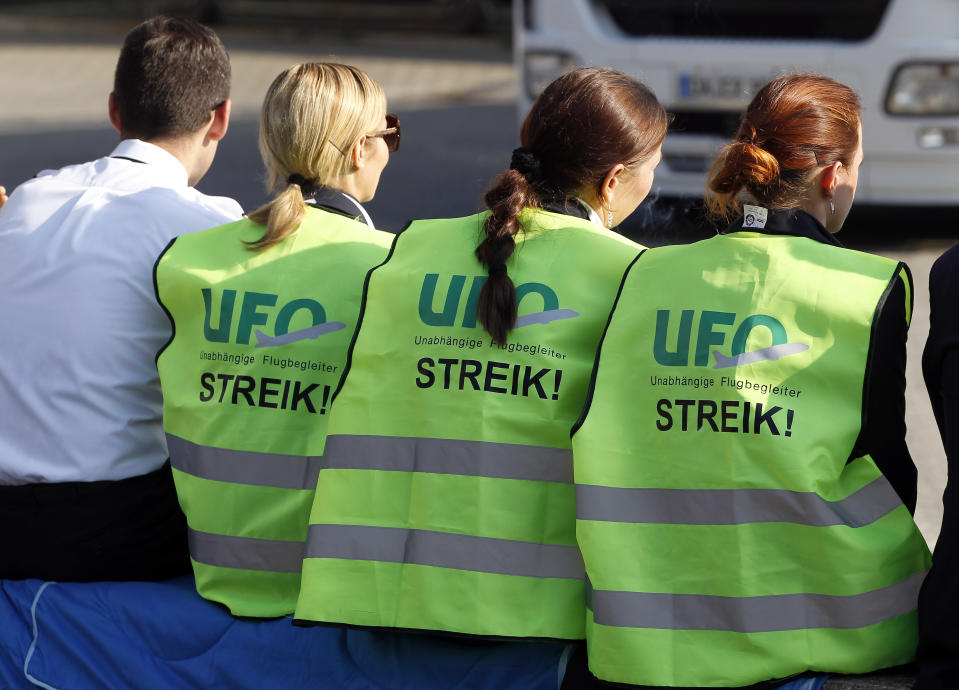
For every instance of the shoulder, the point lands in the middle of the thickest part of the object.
(476, 220)
(85, 172)
(53, 183)
(944, 276)
(537, 222)
(243, 229)
(173, 211)
(220, 208)
(444, 231)
(339, 227)
(113, 189)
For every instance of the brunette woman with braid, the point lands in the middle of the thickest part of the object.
(744, 489)
(263, 311)
(446, 500)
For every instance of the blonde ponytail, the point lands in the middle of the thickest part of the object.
(282, 215)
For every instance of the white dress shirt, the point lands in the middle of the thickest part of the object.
(79, 391)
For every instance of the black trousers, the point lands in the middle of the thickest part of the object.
(131, 529)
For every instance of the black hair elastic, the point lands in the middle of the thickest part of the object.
(308, 187)
(527, 163)
(496, 268)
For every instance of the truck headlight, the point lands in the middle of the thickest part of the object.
(928, 88)
(937, 137)
(540, 69)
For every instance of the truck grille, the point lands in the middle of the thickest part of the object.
(720, 123)
(836, 20)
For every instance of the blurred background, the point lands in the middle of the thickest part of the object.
(460, 89)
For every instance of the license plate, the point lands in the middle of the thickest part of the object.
(721, 90)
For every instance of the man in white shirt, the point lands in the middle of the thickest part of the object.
(85, 487)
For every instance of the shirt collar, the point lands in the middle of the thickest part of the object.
(341, 203)
(153, 155)
(790, 222)
(576, 207)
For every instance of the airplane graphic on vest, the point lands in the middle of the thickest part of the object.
(707, 336)
(454, 296)
(763, 354)
(253, 312)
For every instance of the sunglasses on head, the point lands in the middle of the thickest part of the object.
(391, 135)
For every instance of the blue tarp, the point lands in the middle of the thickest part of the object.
(146, 635)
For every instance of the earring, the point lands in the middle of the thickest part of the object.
(609, 218)
(832, 206)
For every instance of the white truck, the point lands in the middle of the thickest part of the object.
(705, 59)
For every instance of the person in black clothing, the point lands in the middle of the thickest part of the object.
(939, 599)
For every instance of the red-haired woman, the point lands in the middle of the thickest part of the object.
(446, 500)
(744, 491)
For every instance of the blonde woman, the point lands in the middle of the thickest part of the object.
(263, 310)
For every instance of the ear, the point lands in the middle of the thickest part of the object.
(609, 184)
(220, 122)
(359, 153)
(829, 178)
(114, 110)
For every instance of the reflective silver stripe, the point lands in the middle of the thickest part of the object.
(244, 466)
(449, 456)
(444, 550)
(224, 551)
(754, 614)
(734, 506)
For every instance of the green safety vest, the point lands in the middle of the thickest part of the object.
(446, 501)
(729, 534)
(260, 341)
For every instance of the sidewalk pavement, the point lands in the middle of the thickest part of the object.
(58, 73)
